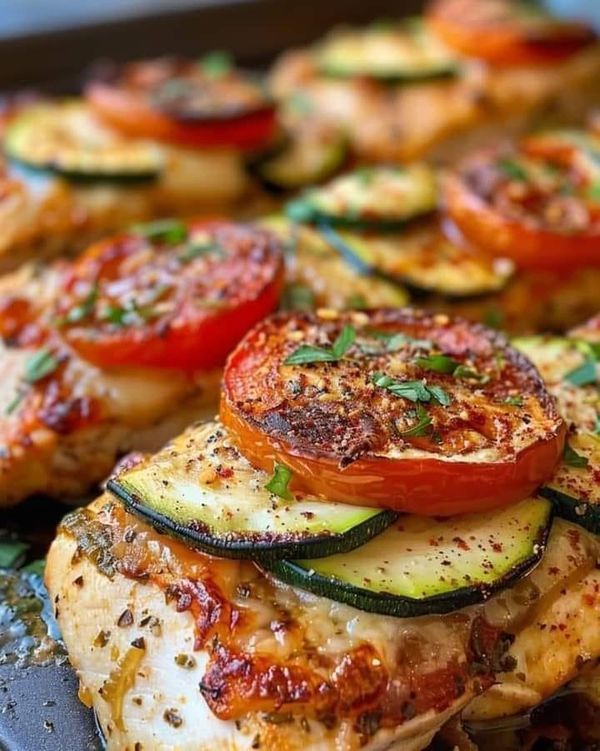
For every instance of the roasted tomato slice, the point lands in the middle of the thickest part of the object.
(504, 32)
(538, 203)
(203, 104)
(401, 409)
(169, 295)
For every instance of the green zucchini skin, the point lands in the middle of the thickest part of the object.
(300, 161)
(254, 547)
(413, 54)
(357, 252)
(378, 555)
(575, 491)
(383, 199)
(63, 139)
(237, 517)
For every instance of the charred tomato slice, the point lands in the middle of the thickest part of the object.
(204, 104)
(169, 294)
(400, 409)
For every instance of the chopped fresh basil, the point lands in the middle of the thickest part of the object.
(83, 310)
(193, 250)
(421, 427)
(298, 297)
(40, 364)
(216, 64)
(171, 231)
(514, 401)
(11, 552)
(470, 374)
(394, 342)
(278, 484)
(414, 391)
(307, 353)
(584, 374)
(512, 169)
(12, 406)
(572, 459)
(437, 363)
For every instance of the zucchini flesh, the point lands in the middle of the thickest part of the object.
(308, 156)
(575, 491)
(201, 489)
(319, 277)
(423, 260)
(65, 139)
(421, 566)
(562, 362)
(380, 198)
(400, 53)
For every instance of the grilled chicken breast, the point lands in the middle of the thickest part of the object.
(175, 649)
(442, 118)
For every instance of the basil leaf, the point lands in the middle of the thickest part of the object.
(470, 374)
(395, 342)
(344, 341)
(12, 406)
(512, 169)
(193, 250)
(84, 309)
(414, 391)
(514, 401)
(216, 64)
(439, 395)
(11, 552)
(584, 374)
(278, 484)
(39, 365)
(422, 426)
(307, 353)
(572, 459)
(437, 363)
(171, 231)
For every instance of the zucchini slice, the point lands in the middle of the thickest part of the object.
(423, 260)
(399, 53)
(378, 198)
(318, 277)
(571, 371)
(575, 490)
(309, 155)
(201, 489)
(419, 566)
(64, 138)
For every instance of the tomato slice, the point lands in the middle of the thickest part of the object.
(503, 32)
(173, 295)
(185, 103)
(393, 408)
(538, 203)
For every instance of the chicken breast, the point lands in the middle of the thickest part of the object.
(178, 650)
(443, 119)
(175, 649)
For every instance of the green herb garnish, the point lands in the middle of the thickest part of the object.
(437, 363)
(584, 374)
(512, 169)
(12, 406)
(216, 64)
(11, 552)
(40, 364)
(278, 484)
(171, 231)
(422, 426)
(572, 459)
(597, 425)
(414, 391)
(193, 250)
(307, 353)
(394, 342)
(514, 401)
(470, 374)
